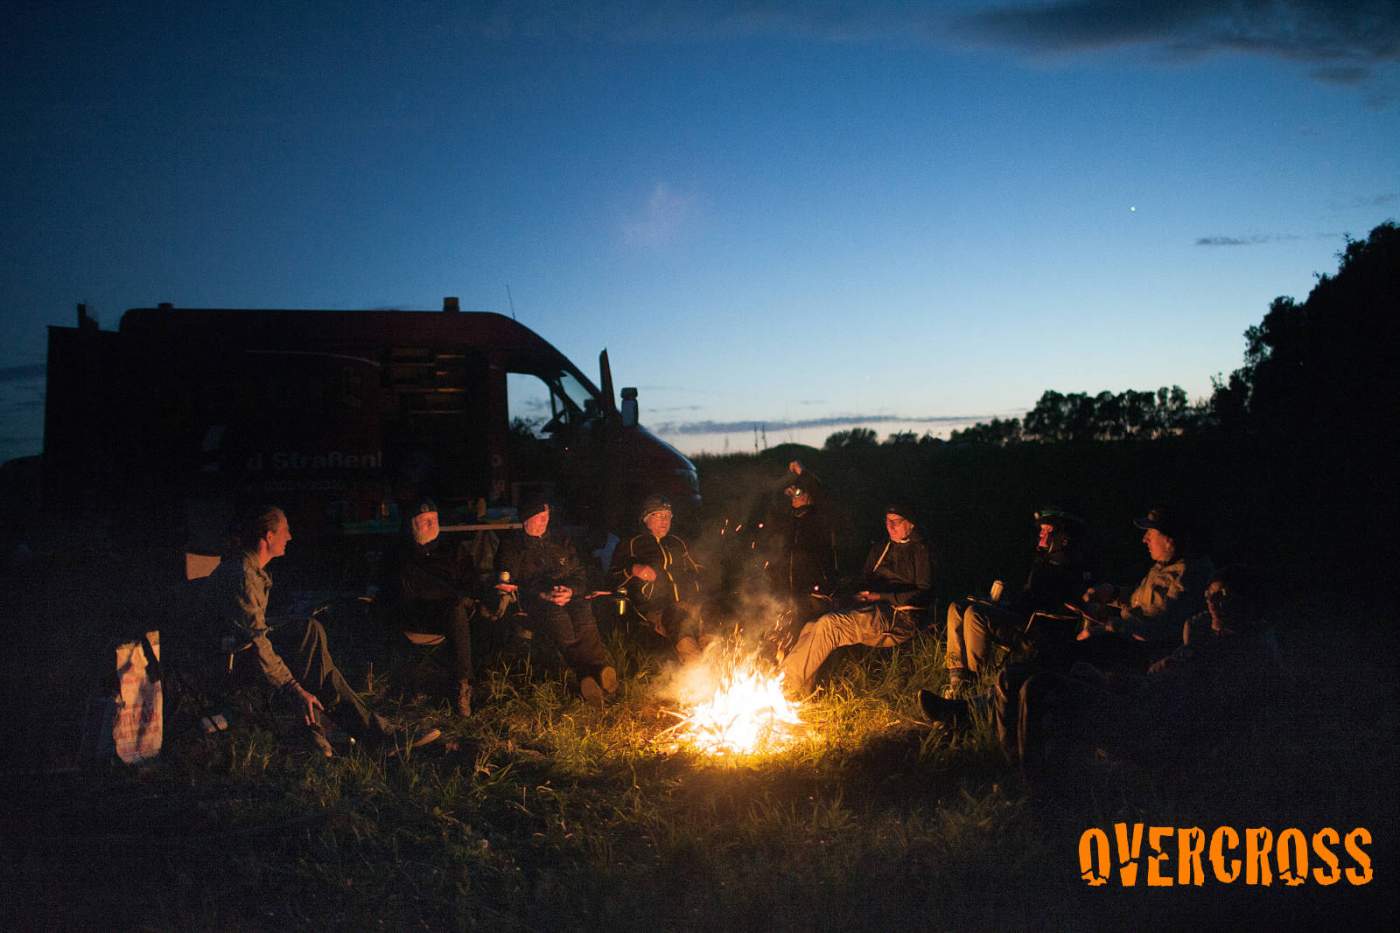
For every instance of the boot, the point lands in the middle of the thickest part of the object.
(607, 677)
(938, 710)
(687, 650)
(591, 690)
(464, 698)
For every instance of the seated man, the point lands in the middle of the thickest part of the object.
(1136, 625)
(237, 594)
(661, 579)
(434, 590)
(546, 578)
(898, 590)
(1057, 575)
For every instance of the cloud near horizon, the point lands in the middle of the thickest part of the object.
(1258, 238)
(1344, 38)
(774, 426)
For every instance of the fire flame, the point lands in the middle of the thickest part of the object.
(746, 714)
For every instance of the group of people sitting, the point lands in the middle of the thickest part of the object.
(1132, 668)
(434, 589)
(1076, 642)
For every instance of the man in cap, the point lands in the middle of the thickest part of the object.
(898, 589)
(236, 598)
(655, 570)
(1057, 575)
(1143, 622)
(549, 582)
(1124, 628)
(436, 592)
(1227, 664)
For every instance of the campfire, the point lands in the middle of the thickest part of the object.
(736, 708)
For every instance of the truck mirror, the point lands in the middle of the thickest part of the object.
(630, 414)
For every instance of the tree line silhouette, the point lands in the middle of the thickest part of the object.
(1288, 463)
(1324, 362)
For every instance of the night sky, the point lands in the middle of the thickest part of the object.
(767, 212)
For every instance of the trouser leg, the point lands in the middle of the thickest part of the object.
(983, 629)
(315, 670)
(824, 635)
(458, 623)
(1006, 708)
(955, 656)
(576, 633)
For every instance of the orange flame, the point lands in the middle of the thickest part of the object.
(747, 713)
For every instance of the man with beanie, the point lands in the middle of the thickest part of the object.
(898, 590)
(437, 593)
(1057, 575)
(548, 580)
(655, 570)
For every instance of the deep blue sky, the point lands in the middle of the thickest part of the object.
(765, 212)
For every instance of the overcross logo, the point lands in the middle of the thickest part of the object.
(1192, 856)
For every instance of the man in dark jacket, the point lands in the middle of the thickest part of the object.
(898, 590)
(545, 576)
(802, 561)
(436, 593)
(1057, 575)
(661, 579)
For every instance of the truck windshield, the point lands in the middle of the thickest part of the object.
(548, 403)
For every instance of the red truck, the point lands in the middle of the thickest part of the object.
(342, 417)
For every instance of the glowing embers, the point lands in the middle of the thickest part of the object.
(734, 708)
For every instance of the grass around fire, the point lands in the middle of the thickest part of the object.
(540, 813)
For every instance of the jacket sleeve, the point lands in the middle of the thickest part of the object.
(687, 572)
(240, 604)
(920, 592)
(911, 584)
(1164, 600)
(624, 556)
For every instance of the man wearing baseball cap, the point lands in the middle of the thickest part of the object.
(1150, 615)
(1057, 575)
(655, 570)
(898, 590)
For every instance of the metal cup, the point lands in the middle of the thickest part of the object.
(997, 587)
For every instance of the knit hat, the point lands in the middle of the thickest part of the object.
(902, 509)
(425, 504)
(655, 503)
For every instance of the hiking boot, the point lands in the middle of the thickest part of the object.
(939, 710)
(464, 698)
(608, 678)
(319, 743)
(591, 691)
